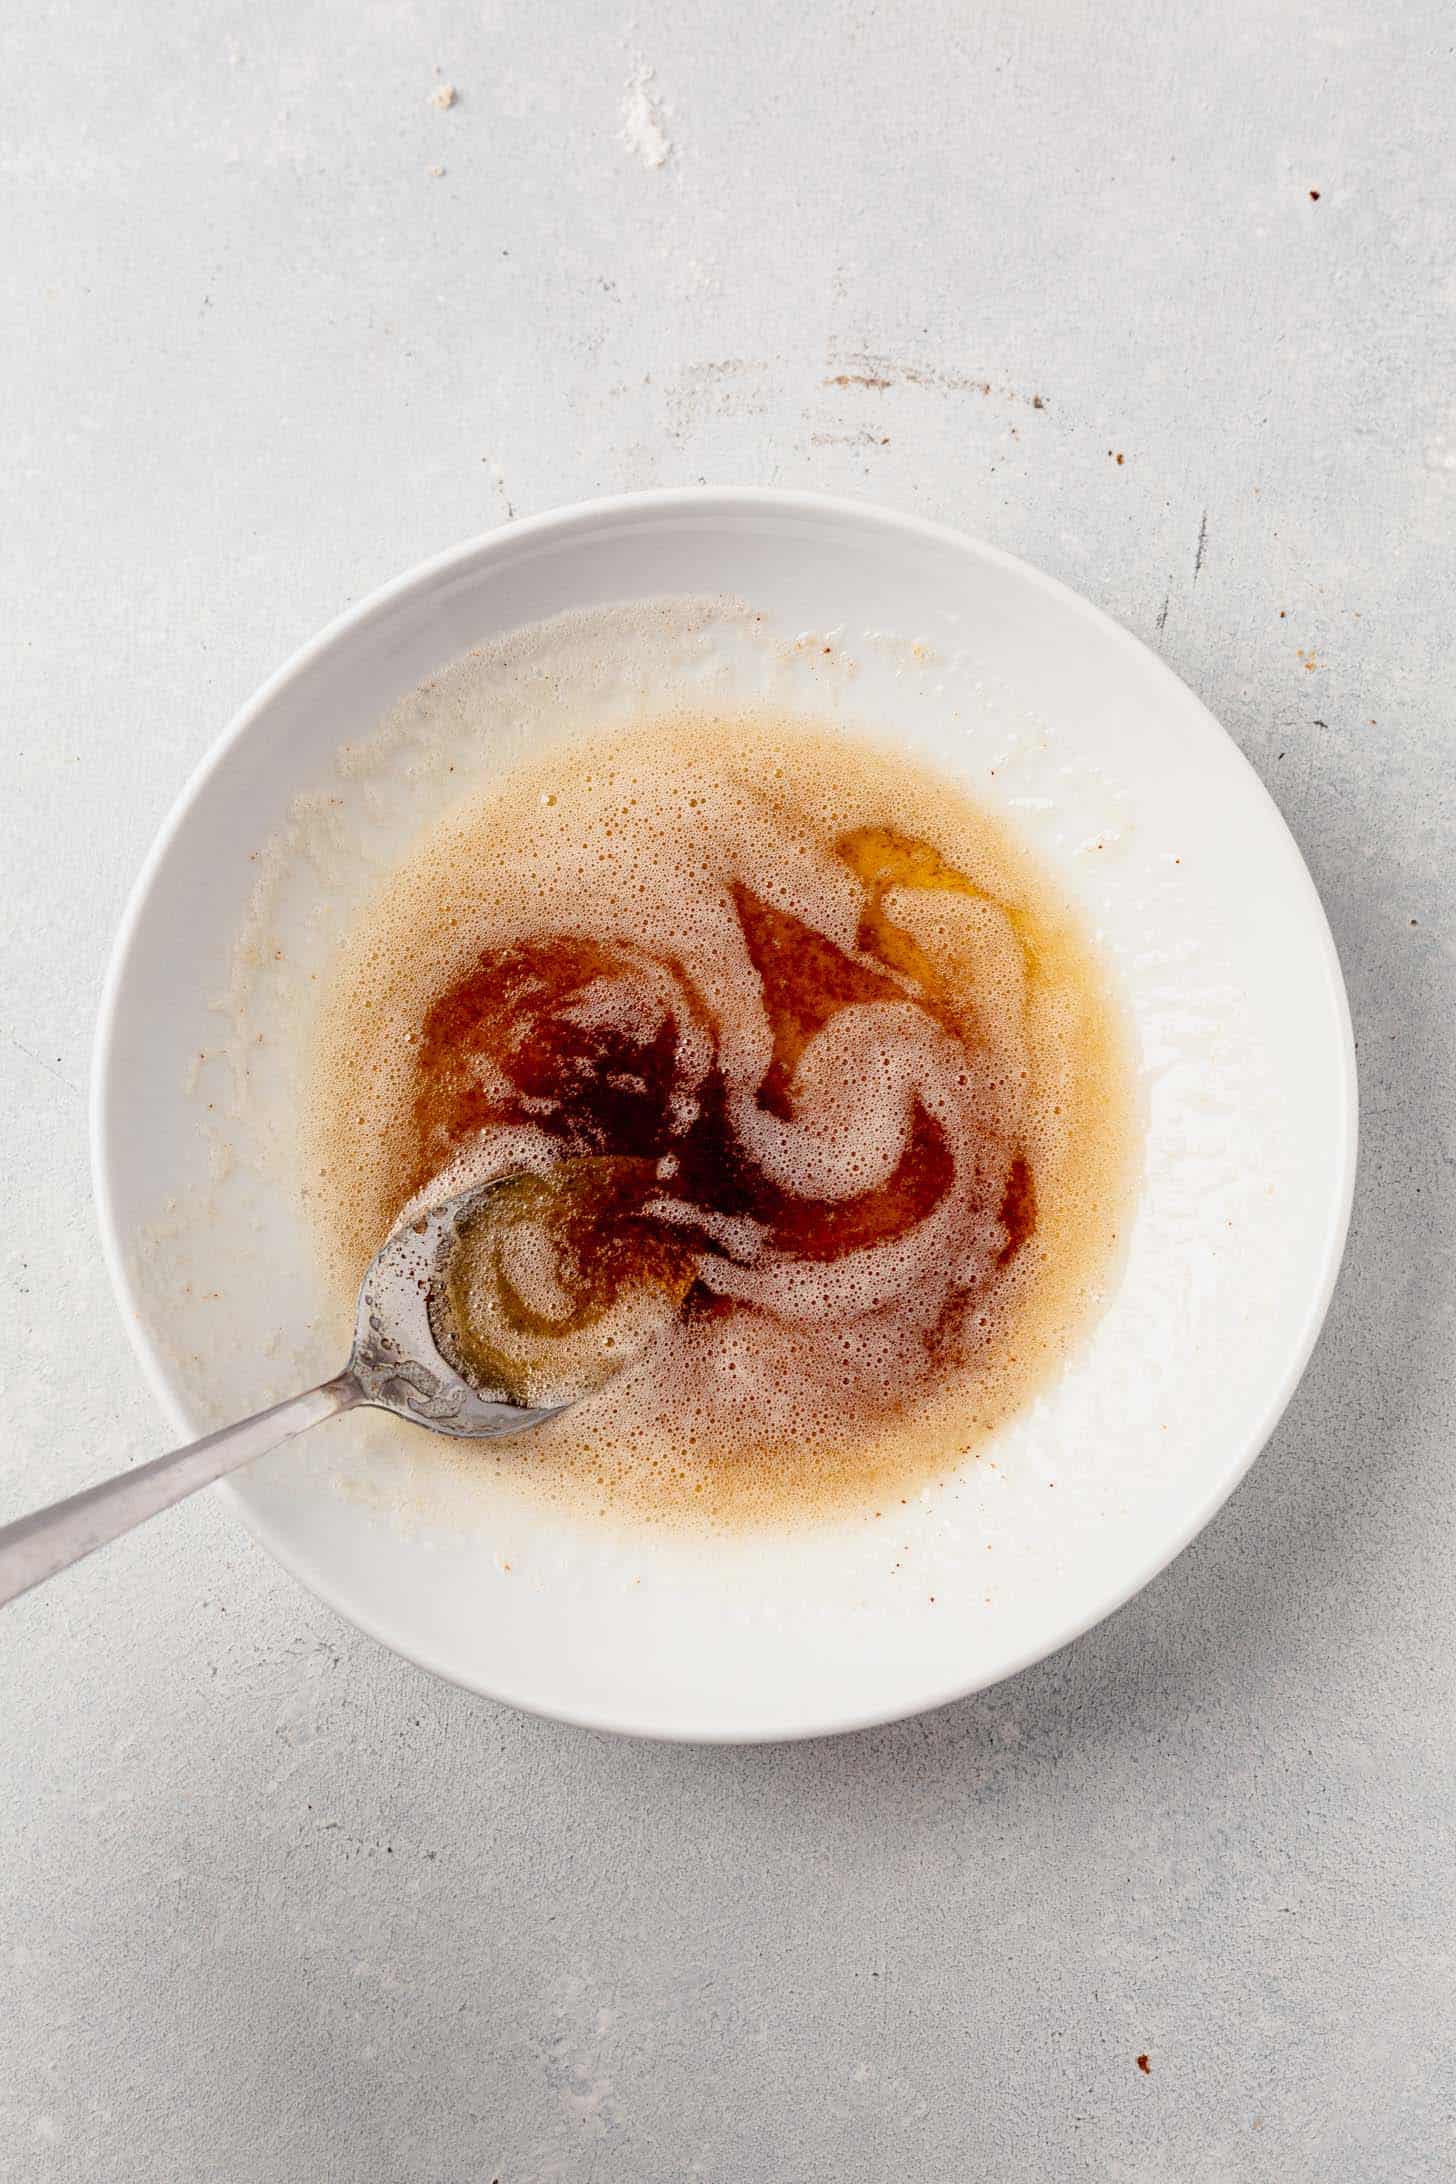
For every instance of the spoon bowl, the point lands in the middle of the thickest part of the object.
(396, 1361)
(395, 1365)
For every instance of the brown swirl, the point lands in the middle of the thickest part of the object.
(838, 1053)
(855, 1171)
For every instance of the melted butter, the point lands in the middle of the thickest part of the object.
(842, 1070)
(558, 1281)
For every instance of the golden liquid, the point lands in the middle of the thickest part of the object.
(556, 1281)
(850, 1063)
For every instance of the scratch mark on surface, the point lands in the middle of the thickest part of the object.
(50, 1071)
(1163, 613)
(499, 477)
(1202, 546)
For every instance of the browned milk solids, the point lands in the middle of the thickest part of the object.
(862, 1064)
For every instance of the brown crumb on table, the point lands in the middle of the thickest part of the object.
(1314, 197)
(444, 95)
(1144, 2066)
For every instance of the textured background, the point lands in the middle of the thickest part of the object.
(275, 1907)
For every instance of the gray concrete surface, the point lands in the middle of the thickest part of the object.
(275, 1907)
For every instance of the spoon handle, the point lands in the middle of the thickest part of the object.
(33, 1548)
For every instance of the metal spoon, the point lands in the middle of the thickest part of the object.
(395, 1365)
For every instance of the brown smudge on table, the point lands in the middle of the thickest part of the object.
(862, 438)
(866, 368)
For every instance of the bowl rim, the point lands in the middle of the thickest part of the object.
(501, 543)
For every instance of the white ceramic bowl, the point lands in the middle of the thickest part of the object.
(1124, 783)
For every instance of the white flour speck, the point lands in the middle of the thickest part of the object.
(642, 120)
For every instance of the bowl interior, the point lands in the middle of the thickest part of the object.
(1121, 781)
